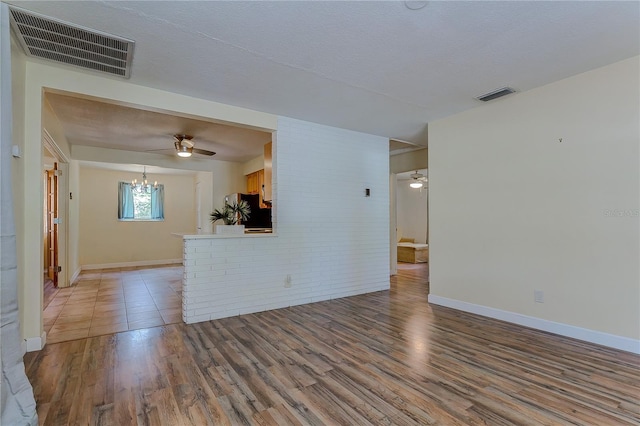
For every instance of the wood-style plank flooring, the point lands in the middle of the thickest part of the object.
(386, 358)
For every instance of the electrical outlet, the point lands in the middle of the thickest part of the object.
(538, 296)
(287, 281)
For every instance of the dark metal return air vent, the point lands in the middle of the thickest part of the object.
(55, 40)
(496, 94)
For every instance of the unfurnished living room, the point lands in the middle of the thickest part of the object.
(320, 213)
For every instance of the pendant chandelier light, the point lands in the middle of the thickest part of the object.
(143, 186)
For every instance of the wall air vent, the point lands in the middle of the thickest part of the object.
(496, 94)
(55, 40)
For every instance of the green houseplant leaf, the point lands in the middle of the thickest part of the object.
(232, 213)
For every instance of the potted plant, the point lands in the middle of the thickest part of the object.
(231, 214)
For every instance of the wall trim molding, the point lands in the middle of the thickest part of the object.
(131, 264)
(605, 339)
(33, 344)
(75, 275)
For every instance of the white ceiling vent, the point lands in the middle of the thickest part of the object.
(55, 40)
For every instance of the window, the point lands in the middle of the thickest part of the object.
(140, 205)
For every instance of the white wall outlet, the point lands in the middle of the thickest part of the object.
(287, 281)
(538, 296)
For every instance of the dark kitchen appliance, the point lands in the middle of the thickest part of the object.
(259, 219)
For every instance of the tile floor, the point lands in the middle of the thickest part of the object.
(112, 300)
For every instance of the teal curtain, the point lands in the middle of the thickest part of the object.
(157, 203)
(125, 201)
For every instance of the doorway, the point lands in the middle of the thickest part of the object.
(51, 224)
(410, 220)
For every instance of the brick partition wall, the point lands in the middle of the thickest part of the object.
(329, 238)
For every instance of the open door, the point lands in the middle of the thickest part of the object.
(52, 224)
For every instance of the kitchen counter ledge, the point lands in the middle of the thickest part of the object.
(219, 236)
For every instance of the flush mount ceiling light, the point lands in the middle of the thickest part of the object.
(415, 5)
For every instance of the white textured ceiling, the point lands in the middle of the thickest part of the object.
(375, 67)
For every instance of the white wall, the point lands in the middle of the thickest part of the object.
(513, 209)
(331, 239)
(411, 212)
(104, 240)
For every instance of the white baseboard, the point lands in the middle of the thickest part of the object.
(592, 336)
(75, 275)
(34, 343)
(131, 264)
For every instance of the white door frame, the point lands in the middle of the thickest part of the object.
(63, 207)
(393, 224)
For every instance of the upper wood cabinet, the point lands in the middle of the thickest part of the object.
(260, 182)
(253, 186)
(255, 181)
(267, 193)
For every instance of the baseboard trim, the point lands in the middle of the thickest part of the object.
(75, 275)
(33, 344)
(610, 340)
(131, 264)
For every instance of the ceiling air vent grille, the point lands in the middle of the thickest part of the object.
(55, 40)
(496, 94)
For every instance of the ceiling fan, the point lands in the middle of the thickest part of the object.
(184, 146)
(419, 180)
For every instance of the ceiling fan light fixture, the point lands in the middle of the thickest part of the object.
(184, 146)
(185, 151)
(416, 184)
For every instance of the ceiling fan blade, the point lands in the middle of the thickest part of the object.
(203, 152)
(159, 150)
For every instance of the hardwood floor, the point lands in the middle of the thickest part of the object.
(386, 358)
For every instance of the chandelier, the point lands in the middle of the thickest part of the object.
(143, 186)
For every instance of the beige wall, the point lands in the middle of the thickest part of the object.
(74, 220)
(106, 240)
(513, 209)
(253, 165)
(18, 67)
(411, 212)
(408, 161)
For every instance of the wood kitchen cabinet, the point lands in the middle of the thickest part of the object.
(253, 186)
(260, 182)
(255, 181)
(267, 193)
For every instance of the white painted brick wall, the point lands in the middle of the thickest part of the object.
(331, 239)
